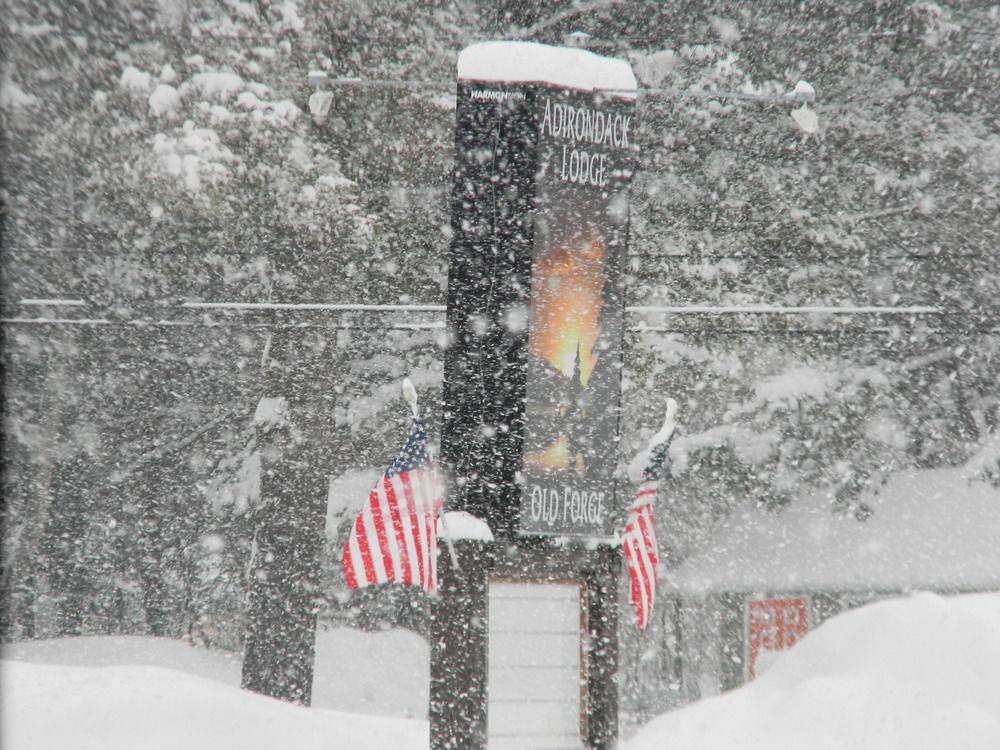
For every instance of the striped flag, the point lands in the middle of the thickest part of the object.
(394, 539)
(639, 539)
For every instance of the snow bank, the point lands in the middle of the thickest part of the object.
(913, 674)
(128, 650)
(124, 707)
(906, 674)
(928, 529)
(121, 693)
(527, 62)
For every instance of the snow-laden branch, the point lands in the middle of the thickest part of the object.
(174, 445)
(577, 9)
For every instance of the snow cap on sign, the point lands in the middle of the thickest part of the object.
(457, 524)
(528, 62)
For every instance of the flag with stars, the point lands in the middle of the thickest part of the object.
(639, 539)
(394, 539)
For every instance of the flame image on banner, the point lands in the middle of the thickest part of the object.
(568, 290)
(566, 306)
(566, 340)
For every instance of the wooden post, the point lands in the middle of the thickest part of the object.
(459, 651)
(602, 671)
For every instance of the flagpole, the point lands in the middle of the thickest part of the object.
(669, 424)
(410, 394)
(638, 541)
(449, 543)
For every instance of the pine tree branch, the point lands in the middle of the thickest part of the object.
(577, 10)
(176, 445)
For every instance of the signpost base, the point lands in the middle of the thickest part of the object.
(459, 648)
(468, 679)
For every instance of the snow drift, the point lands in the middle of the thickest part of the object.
(128, 692)
(913, 674)
(916, 673)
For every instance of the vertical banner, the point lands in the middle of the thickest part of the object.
(544, 153)
(576, 314)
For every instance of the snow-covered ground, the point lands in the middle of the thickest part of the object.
(917, 673)
(907, 674)
(138, 693)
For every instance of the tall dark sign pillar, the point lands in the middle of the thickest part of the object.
(544, 152)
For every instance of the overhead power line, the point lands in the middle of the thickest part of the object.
(786, 310)
(235, 314)
(310, 306)
(423, 307)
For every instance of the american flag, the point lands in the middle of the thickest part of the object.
(394, 539)
(639, 539)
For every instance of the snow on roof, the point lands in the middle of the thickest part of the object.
(528, 62)
(928, 529)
